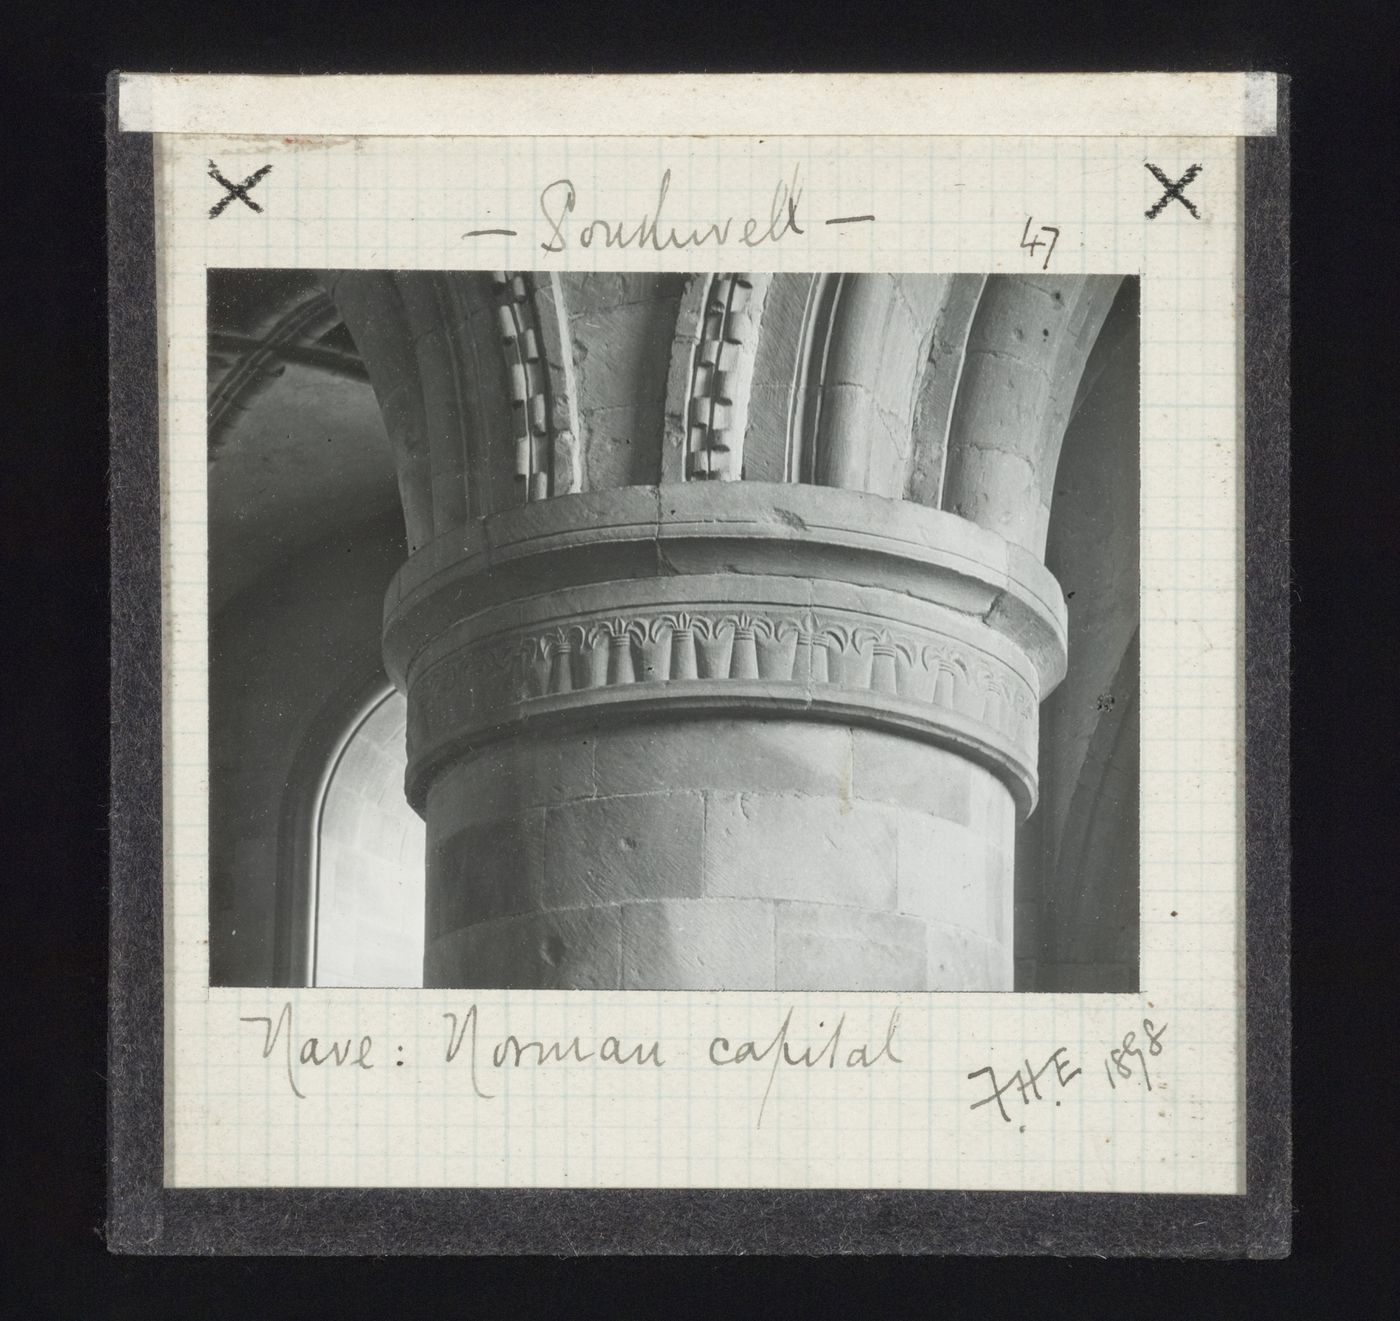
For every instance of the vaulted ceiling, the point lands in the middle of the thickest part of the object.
(298, 454)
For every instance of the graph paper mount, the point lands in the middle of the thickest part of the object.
(144, 1216)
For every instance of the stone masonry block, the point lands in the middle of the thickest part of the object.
(1001, 895)
(730, 755)
(1000, 490)
(486, 871)
(507, 778)
(944, 873)
(577, 949)
(991, 809)
(961, 961)
(784, 846)
(826, 947)
(707, 944)
(607, 850)
(895, 770)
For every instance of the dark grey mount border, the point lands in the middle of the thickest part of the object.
(145, 1217)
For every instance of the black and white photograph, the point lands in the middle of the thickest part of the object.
(723, 631)
(706, 682)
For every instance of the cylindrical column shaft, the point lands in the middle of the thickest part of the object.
(742, 854)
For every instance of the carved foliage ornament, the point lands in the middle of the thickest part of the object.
(486, 680)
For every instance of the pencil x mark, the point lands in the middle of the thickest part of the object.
(236, 190)
(1173, 191)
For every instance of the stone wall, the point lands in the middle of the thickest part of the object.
(290, 663)
(1087, 936)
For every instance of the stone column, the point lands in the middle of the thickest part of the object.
(731, 735)
(707, 731)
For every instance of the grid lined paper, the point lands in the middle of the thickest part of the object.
(941, 204)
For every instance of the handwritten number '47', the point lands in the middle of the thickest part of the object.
(1031, 244)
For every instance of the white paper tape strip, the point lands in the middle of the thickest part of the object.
(743, 105)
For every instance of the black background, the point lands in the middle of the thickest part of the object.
(54, 740)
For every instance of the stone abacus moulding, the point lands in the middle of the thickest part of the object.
(726, 599)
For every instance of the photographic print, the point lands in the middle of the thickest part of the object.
(693, 677)
(743, 631)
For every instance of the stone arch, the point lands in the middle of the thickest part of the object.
(373, 311)
(253, 345)
(627, 337)
(781, 371)
(475, 378)
(938, 388)
(1026, 351)
(834, 373)
(713, 360)
(356, 684)
(867, 343)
